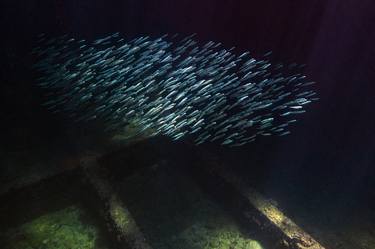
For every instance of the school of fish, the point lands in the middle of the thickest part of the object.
(171, 86)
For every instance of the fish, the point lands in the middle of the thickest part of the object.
(172, 86)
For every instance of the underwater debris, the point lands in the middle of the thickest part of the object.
(119, 217)
(260, 210)
(170, 86)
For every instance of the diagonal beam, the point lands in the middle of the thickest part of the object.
(118, 215)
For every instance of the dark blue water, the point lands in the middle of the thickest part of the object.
(321, 174)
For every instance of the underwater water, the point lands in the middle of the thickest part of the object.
(121, 129)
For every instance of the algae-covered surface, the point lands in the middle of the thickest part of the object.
(212, 233)
(173, 212)
(67, 228)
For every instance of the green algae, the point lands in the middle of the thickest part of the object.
(57, 230)
(219, 234)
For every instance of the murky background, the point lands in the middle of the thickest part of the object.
(321, 175)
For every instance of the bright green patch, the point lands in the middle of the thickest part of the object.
(58, 230)
(221, 236)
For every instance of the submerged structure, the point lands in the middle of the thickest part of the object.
(171, 86)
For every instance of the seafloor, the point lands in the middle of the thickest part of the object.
(168, 205)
